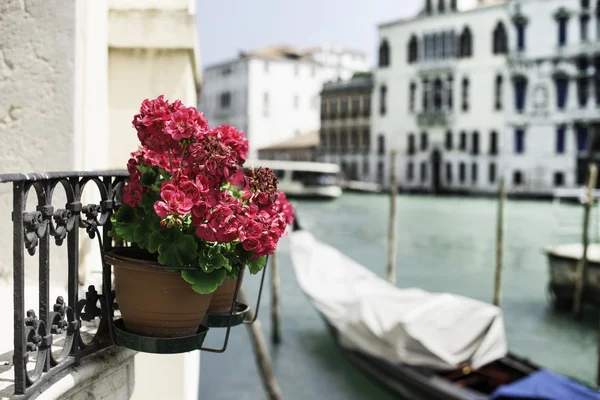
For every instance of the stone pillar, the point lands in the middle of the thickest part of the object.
(153, 50)
(48, 100)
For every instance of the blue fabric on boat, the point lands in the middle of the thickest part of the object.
(545, 385)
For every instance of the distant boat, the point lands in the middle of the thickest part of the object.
(564, 258)
(304, 178)
(562, 262)
(420, 345)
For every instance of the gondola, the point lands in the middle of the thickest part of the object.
(417, 344)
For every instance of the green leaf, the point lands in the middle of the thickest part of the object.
(147, 225)
(179, 251)
(124, 222)
(202, 282)
(148, 200)
(149, 174)
(255, 266)
(154, 240)
(210, 259)
(233, 274)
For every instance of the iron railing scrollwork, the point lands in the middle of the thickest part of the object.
(34, 336)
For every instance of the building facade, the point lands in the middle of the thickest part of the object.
(502, 89)
(345, 135)
(440, 97)
(273, 94)
(554, 65)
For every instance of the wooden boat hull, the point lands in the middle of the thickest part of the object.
(562, 264)
(413, 383)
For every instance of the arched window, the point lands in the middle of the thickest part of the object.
(425, 94)
(411, 144)
(428, 6)
(462, 144)
(492, 173)
(520, 83)
(453, 6)
(475, 143)
(384, 53)
(448, 172)
(410, 171)
(437, 94)
(424, 141)
(381, 144)
(521, 36)
(411, 96)
(474, 173)
(413, 49)
(466, 43)
(494, 143)
(498, 92)
(423, 171)
(448, 141)
(462, 172)
(562, 19)
(382, 99)
(441, 6)
(465, 94)
(450, 92)
(500, 39)
(561, 81)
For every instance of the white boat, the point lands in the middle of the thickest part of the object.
(419, 345)
(562, 262)
(303, 178)
(564, 258)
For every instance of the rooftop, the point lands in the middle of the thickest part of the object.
(471, 5)
(279, 52)
(358, 82)
(285, 52)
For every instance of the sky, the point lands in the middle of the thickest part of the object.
(226, 27)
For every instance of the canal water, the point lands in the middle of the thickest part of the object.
(444, 245)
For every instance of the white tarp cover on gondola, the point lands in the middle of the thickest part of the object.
(408, 326)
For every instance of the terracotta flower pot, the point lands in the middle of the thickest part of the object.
(155, 302)
(223, 296)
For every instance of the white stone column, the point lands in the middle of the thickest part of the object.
(37, 114)
(153, 50)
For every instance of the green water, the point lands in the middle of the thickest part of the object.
(444, 244)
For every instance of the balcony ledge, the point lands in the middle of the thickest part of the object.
(107, 374)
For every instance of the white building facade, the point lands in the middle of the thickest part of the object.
(273, 94)
(502, 89)
(554, 64)
(440, 98)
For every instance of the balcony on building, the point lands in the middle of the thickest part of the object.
(441, 117)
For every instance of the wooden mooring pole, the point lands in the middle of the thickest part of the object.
(499, 244)
(580, 270)
(391, 266)
(261, 353)
(598, 366)
(275, 327)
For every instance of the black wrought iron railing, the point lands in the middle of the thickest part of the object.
(35, 333)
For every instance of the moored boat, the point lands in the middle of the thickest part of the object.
(563, 259)
(418, 344)
(562, 262)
